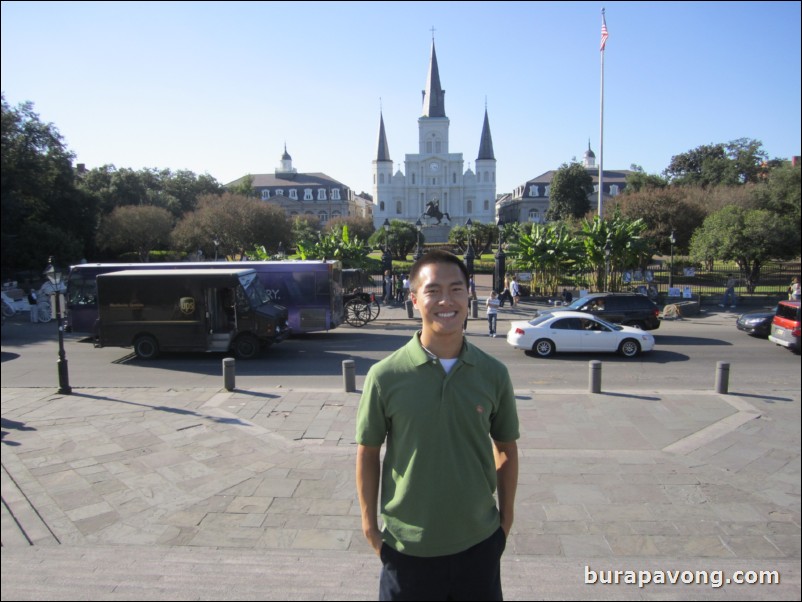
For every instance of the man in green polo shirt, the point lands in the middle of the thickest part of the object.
(446, 411)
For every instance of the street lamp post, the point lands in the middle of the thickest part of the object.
(55, 278)
(387, 258)
(418, 253)
(469, 254)
(673, 241)
(216, 242)
(500, 267)
(607, 250)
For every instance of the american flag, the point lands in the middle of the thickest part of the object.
(603, 33)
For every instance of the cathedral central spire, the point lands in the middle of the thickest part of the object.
(434, 96)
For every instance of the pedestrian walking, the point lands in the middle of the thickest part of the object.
(492, 305)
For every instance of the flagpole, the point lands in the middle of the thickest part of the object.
(601, 121)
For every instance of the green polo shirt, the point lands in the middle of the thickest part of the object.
(439, 473)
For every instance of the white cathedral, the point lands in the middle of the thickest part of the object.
(435, 186)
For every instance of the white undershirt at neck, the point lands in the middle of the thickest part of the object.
(448, 364)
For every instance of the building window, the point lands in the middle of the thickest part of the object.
(429, 147)
(398, 207)
(613, 189)
(323, 217)
(381, 206)
(381, 178)
(279, 192)
(454, 177)
(265, 194)
(293, 194)
(335, 194)
(548, 189)
(437, 147)
(307, 194)
(413, 177)
(470, 206)
(534, 216)
(487, 205)
(335, 214)
(533, 190)
(321, 194)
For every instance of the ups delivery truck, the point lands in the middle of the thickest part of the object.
(187, 310)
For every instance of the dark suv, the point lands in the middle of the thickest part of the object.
(630, 309)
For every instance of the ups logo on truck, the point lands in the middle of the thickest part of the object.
(187, 305)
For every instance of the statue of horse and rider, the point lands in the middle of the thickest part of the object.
(433, 210)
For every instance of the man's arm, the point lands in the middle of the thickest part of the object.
(367, 487)
(506, 455)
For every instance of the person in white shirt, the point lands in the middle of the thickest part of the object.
(492, 305)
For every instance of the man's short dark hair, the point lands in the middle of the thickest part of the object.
(431, 257)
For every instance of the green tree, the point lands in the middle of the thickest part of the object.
(339, 245)
(43, 212)
(401, 239)
(361, 227)
(782, 193)
(663, 210)
(243, 187)
(736, 162)
(237, 223)
(750, 237)
(638, 181)
(569, 192)
(548, 251)
(135, 228)
(623, 238)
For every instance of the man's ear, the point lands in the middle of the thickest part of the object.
(414, 299)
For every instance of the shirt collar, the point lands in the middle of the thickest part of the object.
(419, 355)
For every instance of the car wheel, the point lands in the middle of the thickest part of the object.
(544, 348)
(246, 347)
(629, 348)
(146, 347)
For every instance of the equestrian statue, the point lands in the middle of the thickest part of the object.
(433, 210)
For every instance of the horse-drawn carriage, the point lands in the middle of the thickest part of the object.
(360, 306)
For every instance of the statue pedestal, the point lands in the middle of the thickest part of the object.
(436, 234)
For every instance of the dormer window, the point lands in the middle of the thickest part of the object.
(265, 193)
(308, 194)
(335, 194)
(293, 194)
(321, 194)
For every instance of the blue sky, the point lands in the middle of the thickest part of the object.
(218, 88)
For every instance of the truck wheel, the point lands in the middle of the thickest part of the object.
(246, 347)
(146, 347)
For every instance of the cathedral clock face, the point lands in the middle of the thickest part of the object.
(434, 166)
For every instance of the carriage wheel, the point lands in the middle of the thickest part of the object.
(373, 308)
(357, 313)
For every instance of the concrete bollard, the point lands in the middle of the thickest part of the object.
(408, 304)
(228, 373)
(349, 376)
(722, 377)
(594, 376)
(474, 308)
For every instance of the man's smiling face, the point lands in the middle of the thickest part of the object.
(441, 296)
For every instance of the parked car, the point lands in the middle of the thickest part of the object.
(573, 331)
(786, 325)
(757, 323)
(629, 309)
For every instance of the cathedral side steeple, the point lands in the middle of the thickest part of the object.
(383, 153)
(486, 143)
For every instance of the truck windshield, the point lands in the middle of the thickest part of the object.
(254, 289)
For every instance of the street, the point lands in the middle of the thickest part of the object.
(685, 357)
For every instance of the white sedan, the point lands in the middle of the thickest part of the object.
(578, 332)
